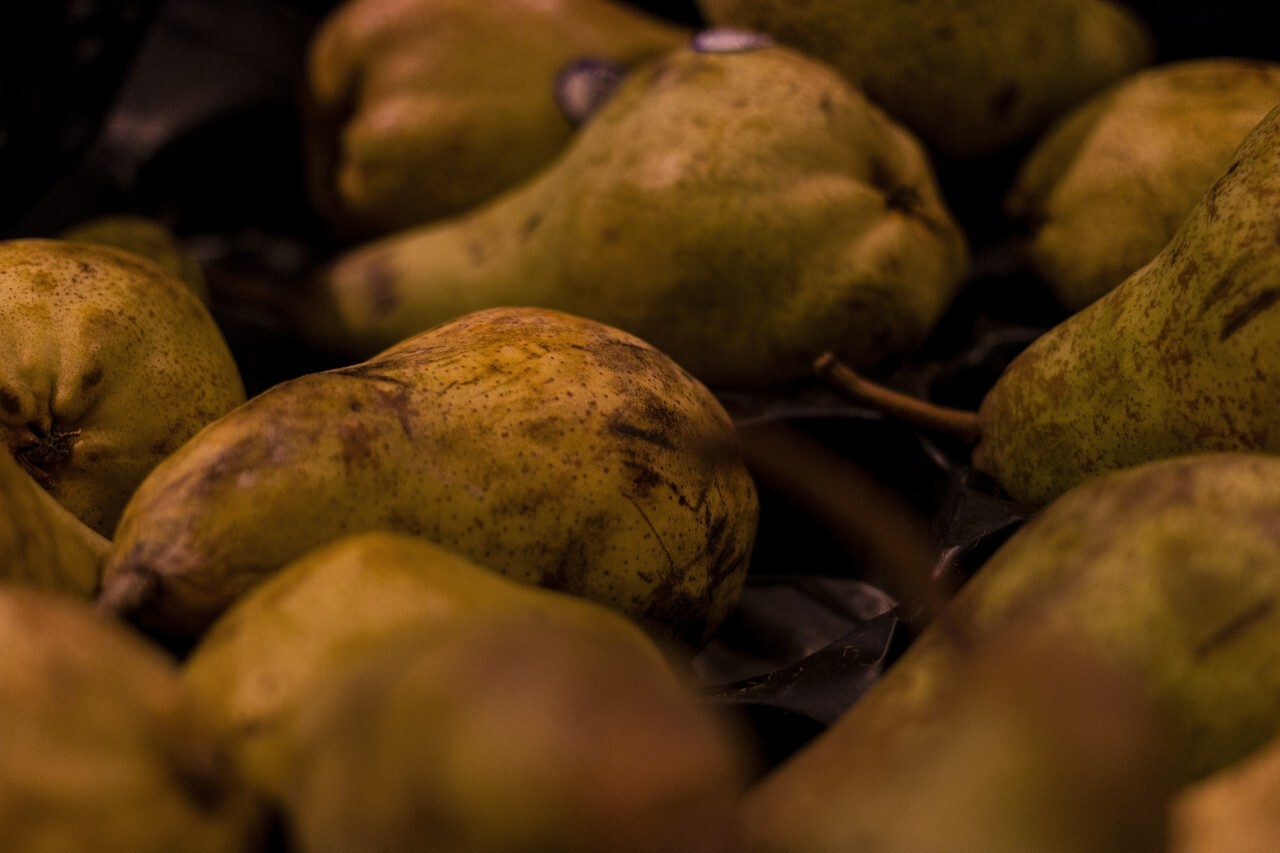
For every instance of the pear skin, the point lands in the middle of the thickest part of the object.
(968, 77)
(1167, 573)
(1181, 357)
(145, 236)
(549, 447)
(104, 747)
(420, 109)
(1232, 811)
(41, 543)
(107, 365)
(1106, 188)
(742, 210)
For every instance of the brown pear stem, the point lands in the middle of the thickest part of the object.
(958, 423)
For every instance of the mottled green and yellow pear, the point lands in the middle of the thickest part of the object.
(969, 77)
(1182, 357)
(1167, 573)
(423, 108)
(742, 208)
(1232, 811)
(42, 544)
(546, 446)
(107, 365)
(1106, 188)
(104, 747)
(146, 236)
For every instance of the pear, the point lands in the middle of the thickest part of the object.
(969, 77)
(1232, 811)
(424, 108)
(1106, 188)
(107, 365)
(147, 237)
(738, 205)
(1167, 573)
(41, 543)
(550, 447)
(104, 747)
(593, 729)
(1177, 358)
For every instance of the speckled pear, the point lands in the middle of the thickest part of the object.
(1183, 356)
(107, 364)
(742, 208)
(1105, 189)
(546, 446)
(145, 236)
(419, 109)
(1167, 573)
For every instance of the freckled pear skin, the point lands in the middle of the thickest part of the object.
(741, 211)
(549, 447)
(107, 365)
(1183, 356)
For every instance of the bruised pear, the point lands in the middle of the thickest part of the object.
(547, 446)
(107, 365)
(737, 205)
(1166, 573)
(104, 747)
(1106, 188)
(422, 108)
(41, 543)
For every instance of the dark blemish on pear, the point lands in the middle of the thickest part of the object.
(380, 282)
(91, 379)
(1004, 100)
(531, 224)
(629, 430)
(9, 402)
(1260, 302)
(1236, 626)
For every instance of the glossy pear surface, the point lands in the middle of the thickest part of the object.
(1182, 357)
(1107, 187)
(424, 108)
(969, 77)
(546, 446)
(107, 365)
(742, 210)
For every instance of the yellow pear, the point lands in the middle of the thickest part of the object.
(107, 364)
(147, 237)
(1106, 188)
(1232, 811)
(742, 208)
(969, 77)
(423, 108)
(41, 543)
(104, 747)
(546, 446)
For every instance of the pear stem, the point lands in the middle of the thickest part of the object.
(962, 424)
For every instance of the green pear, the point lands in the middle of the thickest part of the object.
(423, 108)
(591, 729)
(1167, 573)
(104, 747)
(41, 543)
(969, 77)
(742, 208)
(1107, 187)
(147, 237)
(107, 364)
(1232, 811)
(550, 447)
(1178, 358)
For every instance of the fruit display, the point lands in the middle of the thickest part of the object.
(583, 425)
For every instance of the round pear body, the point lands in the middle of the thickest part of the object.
(549, 447)
(107, 365)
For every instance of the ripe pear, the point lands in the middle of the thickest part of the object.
(1181, 357)
(147, 237)
(424, 108)
(1232, 811)
(1167, 573)
(550, 447)
(740, 208)
(969, 77)
(103, 746)
(41, 543)
(1106, 188)
(579, 707)
(107, 364)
